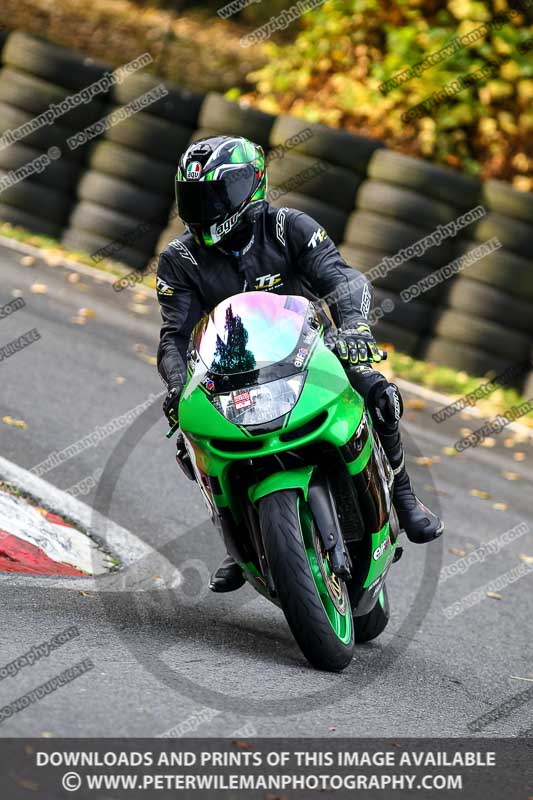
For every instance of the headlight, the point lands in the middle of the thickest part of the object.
(255, 405)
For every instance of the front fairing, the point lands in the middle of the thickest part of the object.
(249, 342)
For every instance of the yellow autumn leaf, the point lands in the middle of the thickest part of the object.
(120, 380)
(500, 506)
(28, 261)
(494, 595)
(416, 404)
(73, 277)
(526, 559)
(480, 493)
(152, 360)
(15, 423)
(456, 552)
(488, 442)
(77, 320)
(450, 451)
(519, 456)
(427, 461)
(137, 308)
(39, 288)
(88, 313)
(511, 476)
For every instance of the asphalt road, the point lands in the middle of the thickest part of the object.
(226, 665)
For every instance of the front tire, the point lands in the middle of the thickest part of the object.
(315, 602)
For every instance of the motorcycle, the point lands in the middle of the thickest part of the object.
(292, 473)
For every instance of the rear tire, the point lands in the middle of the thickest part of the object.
(323, 632)
(369, 626)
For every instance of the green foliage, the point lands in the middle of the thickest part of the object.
(332, 71)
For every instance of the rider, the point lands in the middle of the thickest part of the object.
(237, 242)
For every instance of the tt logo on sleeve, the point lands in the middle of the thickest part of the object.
(164, 288)
(318, 236)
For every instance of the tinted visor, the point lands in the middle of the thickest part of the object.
(205, 202)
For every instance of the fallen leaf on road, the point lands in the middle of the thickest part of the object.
(509, 442)
(488, 442)
(88, 313)
(519, 456)
(52, 259)
(480, 493)
(120, 380)
(73, 277)
(15, 423)
(494, 595)
(456, 552)
(511, 476)
(450, 451)
(240, 745)
(500, 506)
(86, 594)
(39, 288)
(465, 431)
(137, 308)
(28, 261)
(526, 559)
(141, 351)
(427, 461)
(140, 297)
(78, 320)
(429, 488)
(416, 404)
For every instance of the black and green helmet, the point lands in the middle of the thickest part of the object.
(219, 180)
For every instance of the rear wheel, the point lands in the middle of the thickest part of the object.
(369, 626)
(315, 602)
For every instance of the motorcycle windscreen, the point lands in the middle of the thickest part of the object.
(250, 331)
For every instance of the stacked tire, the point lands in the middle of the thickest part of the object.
(34, 75)
(126, 194)
(402, 201)
(486, 324)
(317, 170)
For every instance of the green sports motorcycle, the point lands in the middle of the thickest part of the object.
(291, 471)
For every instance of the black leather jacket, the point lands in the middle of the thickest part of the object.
(290, 253)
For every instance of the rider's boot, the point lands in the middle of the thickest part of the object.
(228, 577)
(419, 523)
(385, 402)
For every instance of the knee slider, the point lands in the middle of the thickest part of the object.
(386, 406)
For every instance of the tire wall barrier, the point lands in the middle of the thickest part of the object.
(111, 194)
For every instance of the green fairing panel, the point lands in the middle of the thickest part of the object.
(382, 552)
(281, 481)
(326, 389)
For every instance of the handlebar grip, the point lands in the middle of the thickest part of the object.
(384, 355)
(173, 430)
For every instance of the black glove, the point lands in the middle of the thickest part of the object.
(356, 345)
(171, 404)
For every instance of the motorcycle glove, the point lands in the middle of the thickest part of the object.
(171, 405)
(356, 345)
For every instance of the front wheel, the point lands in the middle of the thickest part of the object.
(315, 602)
